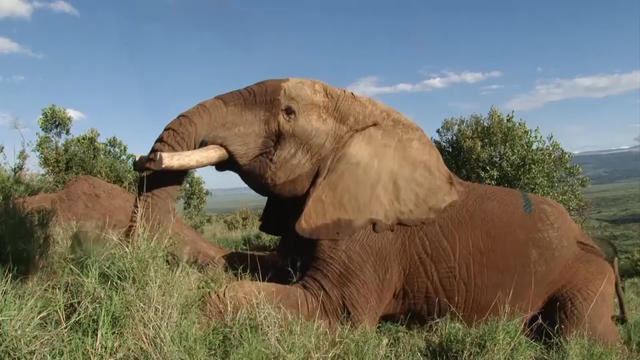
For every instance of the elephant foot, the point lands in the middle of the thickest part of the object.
(242, 295)
(194, 248)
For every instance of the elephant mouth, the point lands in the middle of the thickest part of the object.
(182, 160)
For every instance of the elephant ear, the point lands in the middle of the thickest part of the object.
(382, 177)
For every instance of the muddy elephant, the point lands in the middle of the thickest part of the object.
(372, 223)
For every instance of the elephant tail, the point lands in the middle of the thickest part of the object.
(622, 316)
(609, 253)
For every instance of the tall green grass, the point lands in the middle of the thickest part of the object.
(24, 238)
(614, 216)
(99, 297)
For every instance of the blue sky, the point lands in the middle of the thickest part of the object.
(126, 68)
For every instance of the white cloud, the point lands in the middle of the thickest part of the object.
(13, 79)
(595, 86)
(57, 6)
(75, 114)
(490, 89)
(24, 9)
(13, 122)
(4, 118)
(539, 69)
(15, 8)
(16, 79)
(369, 85)
(8, 46)
(466, 106)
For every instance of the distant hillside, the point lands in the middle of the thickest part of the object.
(230, 200)
(610, 166)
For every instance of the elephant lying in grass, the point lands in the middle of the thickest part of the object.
(373, 224)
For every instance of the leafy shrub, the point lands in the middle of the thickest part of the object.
(239, 232)
(194, 199)
(242, 220)
(259, 241)
(498, 150)
(64, 157)
(15, 181)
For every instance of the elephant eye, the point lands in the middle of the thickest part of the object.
(289, 111)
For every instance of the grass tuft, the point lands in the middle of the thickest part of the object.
(24, 238)
(99, 297)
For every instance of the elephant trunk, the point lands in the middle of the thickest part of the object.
(158, 189)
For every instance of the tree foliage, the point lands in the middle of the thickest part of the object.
(241, 220)
(55, 122)
(24, 236)
(194, 199)
(498, 150)
(15, 180)
(64, 157)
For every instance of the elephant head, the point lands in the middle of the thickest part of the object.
(329, 161)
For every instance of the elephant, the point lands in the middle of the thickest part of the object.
(373, 225)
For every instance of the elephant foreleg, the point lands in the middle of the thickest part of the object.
(195, 248)
(238, 295)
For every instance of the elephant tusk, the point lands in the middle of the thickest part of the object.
(181, 160)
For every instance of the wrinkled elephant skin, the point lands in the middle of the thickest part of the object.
(373, 224)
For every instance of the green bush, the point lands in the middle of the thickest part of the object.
(498, 150)
(238, 231)
(242, 220)
(193, 196)
(15, 181)
(64, 157)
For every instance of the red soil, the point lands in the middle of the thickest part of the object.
(95, 202)
(87, 199)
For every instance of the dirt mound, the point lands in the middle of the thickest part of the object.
(94, 202)
(87, 199)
